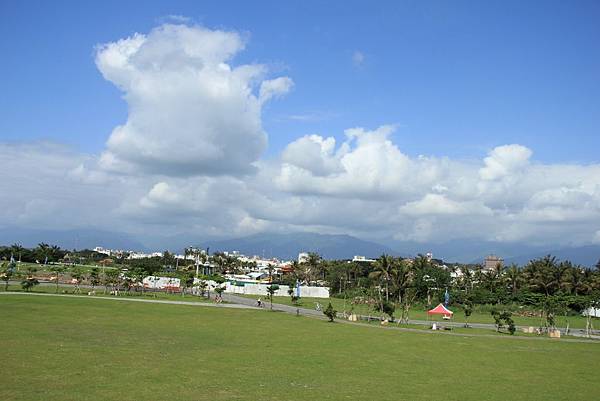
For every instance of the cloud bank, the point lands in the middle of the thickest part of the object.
(189, 108)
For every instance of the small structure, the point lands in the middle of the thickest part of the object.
(441, 310)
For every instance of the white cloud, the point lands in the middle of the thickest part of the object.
(436, 204)
(505, 197)
(190, 111)
(315, 154)
(505, 161)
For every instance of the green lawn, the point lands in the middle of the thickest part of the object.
(42, 268)
(575, 322)
(70, 290)
(85, 349)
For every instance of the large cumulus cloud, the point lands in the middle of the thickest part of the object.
(191, 112)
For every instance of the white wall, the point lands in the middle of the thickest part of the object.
(261, 289)
(595, 312)
(161, 282)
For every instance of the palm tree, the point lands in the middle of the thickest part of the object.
(55, 253)
(540, 274)
(311, 266)
(42, 251)
(513, 278)
(467, 278)
(576, 280)
(402, 277)
(17, 249)
(560, 274)
(383, 272)
(271, 289)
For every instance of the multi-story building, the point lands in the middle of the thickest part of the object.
(491, 262)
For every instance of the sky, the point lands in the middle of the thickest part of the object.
(421, 121)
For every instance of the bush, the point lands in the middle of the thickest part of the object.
(502, 318)
(388, 308)
(330, 312)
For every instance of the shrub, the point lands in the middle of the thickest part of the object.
(330, 312)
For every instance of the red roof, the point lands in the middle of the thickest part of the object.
(440, 310)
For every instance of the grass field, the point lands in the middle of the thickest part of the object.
(100, 292)
(575, 322)
(86, 349)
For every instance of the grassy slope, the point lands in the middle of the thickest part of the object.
(415, 313)
(79, 349)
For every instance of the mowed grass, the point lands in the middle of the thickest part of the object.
(101, 292)
(88, 349)
(416, 313)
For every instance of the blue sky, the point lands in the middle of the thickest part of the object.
(457, 77)
(397, 121)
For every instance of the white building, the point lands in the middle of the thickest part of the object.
(364, 259)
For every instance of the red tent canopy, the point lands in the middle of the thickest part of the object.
(440, 310)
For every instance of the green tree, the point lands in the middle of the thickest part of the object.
(17, 250)
(187, 281)
(389, 308)
(402, 277)
(502, 318)
(219, 290)
(77, 274)
(202, 285)
(330, 312)
(6, 273)
(292, 293)
(271, 291)
(383, 273)
(468, 309)
(513, 278)
(110, 279)
(57, 270)
(42, 252)
(310, 267)
(29, 281)
(541, 274)
(94, 277)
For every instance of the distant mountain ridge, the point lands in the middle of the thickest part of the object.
(287, 246)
